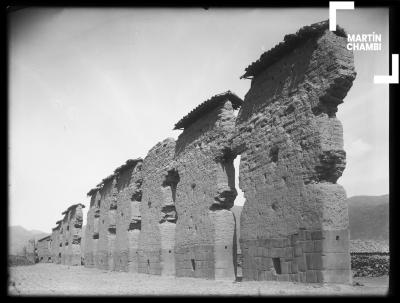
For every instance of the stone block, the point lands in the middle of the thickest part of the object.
(336, 261)
(288, 252)
(314, 261)
(316, 235)
(258, 262)
(294, 277)
(283, 277)
(301, 263)
(266, 263)
(301, 235)
(294, 267)
(269, 276)
(336, 241)
(302, 277)
(259, 251)
(285, 267)
(318, 245)
(307, 246)
(311, 276)
(276, 252)
(293, 239)
(298, 251)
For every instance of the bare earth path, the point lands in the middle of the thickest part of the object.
(52, 279)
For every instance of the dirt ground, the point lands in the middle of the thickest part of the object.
(51, 279)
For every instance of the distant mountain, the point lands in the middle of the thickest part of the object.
(369, 217)
(19, 237)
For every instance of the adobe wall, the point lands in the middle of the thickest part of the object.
(31, 251)
(294, 223)
(128, 220)
(107, 224)
(44, 250)
(64, 236)
(55, 244)
(75, 228)
(204, 242)
(90, 235)
(67, 236)
(156, 256)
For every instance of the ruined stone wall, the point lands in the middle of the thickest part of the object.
(96, 229)
(128, 221)
(294, 223)
(67, 237)
(204, 243)
(151, 254)
(64, 236)
(44, 250)
(75, 228)
(55, 245)
(90, 240)
(107, 224)
(31, 251)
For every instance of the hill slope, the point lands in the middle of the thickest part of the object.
(19, 237)
(369, 217)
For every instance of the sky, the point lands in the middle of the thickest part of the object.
(90, 88)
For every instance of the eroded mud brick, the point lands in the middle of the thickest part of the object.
(67, 238)
(291, 142)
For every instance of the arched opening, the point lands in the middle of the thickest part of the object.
(239, 201)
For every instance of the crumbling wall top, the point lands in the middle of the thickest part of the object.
(72, 207)
(93, 191)
(45, 238)
(128, 164)
(207, 106)
(290, 42)
(105, 180)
